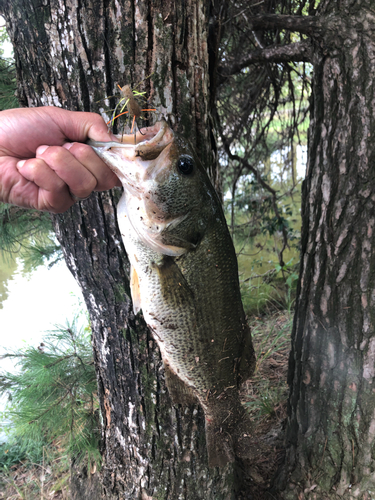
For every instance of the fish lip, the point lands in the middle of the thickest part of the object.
(148, 138)
(156, 132)
(160, 137)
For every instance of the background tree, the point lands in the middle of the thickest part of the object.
(330, 439)
(330, 429)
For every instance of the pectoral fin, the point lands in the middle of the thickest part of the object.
(135, 290)
(175, 288)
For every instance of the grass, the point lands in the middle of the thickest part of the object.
(263, 295)
(36, 481)
(266, 393)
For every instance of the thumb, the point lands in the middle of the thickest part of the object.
(78, 126)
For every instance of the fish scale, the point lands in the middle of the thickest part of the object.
(185, 279)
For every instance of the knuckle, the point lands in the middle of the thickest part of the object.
(81, 152)
(58, 202)
(34, 165)
(86, 190)
(107, 183)
(52, 155)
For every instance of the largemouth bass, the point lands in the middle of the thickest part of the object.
(184, 277)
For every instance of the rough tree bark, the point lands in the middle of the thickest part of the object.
(72, 54)
(331, 426)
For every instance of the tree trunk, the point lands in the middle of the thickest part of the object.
(73, 54)
(331, 425)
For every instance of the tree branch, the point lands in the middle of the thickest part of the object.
(297, 52)
(267, 187)
(308, 25)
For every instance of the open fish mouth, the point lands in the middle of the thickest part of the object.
(146, 144)
(137, 157)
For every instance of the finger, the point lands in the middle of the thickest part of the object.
(87, 157)
(80, 180)
(49, 191)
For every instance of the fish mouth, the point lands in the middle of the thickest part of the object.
(153, 140)
(137, 157)
(146, 144)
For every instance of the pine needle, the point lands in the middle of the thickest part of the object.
(53, 393)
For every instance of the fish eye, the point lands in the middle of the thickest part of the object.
(185, 164)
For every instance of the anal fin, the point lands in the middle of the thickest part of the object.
(180, 393)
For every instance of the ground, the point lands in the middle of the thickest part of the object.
(265, 395)
(29, 481)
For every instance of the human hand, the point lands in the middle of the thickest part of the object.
(40, 165)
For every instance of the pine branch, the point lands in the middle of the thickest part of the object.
(56, 381)
(247, 166)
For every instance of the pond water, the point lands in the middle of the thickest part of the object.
(32, 303)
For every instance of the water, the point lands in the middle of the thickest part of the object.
(31, 304)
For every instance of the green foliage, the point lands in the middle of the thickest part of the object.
(28, 233)
(261, 116)
(272, 339)
(269, 397)
(17, 450)
(273, 290)
(7, 85)
(52, 396)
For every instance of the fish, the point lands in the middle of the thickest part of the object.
(184, 278)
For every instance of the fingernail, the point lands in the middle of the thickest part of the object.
(21, 163)
(67, 145)
(41, 150)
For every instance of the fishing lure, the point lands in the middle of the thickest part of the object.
(128, 100)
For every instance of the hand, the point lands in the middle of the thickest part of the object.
(40, 165)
